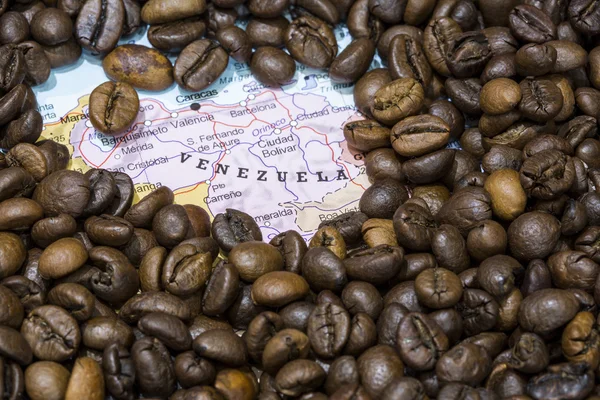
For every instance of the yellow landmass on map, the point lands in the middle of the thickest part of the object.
(194, 194)
(310, 215)
(77, 164)
(60, 131)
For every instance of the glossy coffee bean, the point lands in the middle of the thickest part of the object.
(113, 107)
(199, 64)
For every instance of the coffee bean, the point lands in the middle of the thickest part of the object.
(15, 28)
(311, 42)
(397, 100)
(176, 35)
(200, 64)
(139, 66)
(46, 380)
(272, 66)
(113, 107)
(353, 62)
(161, 11)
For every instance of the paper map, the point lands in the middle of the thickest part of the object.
(277, 154)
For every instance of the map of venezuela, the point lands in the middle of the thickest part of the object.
(277, 154)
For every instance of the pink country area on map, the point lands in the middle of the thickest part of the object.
(276, 148)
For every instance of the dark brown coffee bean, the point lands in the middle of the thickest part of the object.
(464, 94)
(397, 100)
(530, 24)
(464, 363)
(286, 345)
(186, 270)
(119, 370)
(420, 341)
(438, 288)
(323, 270)
(74, 298)
(168, 329)
(533, 235)
(295, 315)
(113, 107)
(376, 265)
(13, 70)
(46, 380)
(299, 376)
(439, 34)
(236, 43)
(383, 198)
(234, 227)
(267, 32)
(115, 280)
(534, 313)
(363, 23)
(254, 259)
(467, 55)
(100, 332)
(272, 66)
(199, 64)
(311, 42)
(222, 346)
(584, 16)
(15, 28)
(353, 61)
(152, 357)
(328, 330)
(378, 367)
(176, 35)
(367, 86)
(268, 9)
(51, 26)
(55, 321)
(278, 288)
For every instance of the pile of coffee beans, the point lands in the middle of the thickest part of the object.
(469, 273)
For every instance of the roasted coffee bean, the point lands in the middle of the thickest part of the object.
(272, 66)
(63, 192)
(311, 42)
(113, 107)
(51, 26)
(200, 64)
(353, 62)
(100, 332)
(221, 346)
(420, 341)
(376, 265)
(161, 11)
(236, 42)
(278, 288)
(99, 25)
(299, 376)
(234, 227)
(267, 31)
(542, 99)
(419, 135)
(397, 100)
(367, 86)
(530, 24)
(533, 235)
(383, 198)
(464, 94)
(15, 28)
(119, 371)
(63, 54)
(170, 330)
(26, 129)
(46, 380)
(139, 66)
(155, 374)
(458, 364)
(439, 34)
(467, 55)
(55, 322)
(176, 35)
(328, 330)
(30, 158)
(438, 288)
